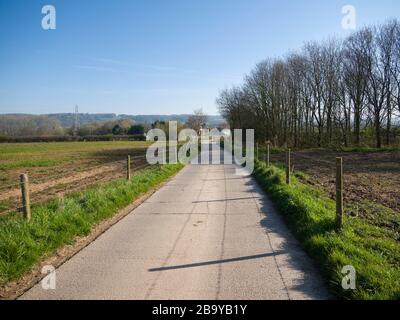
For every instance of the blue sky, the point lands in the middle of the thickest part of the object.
(153, 57)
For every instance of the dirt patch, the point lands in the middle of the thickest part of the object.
(69, 178)
(37, 187)
(367, 176)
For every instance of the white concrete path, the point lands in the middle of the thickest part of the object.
(207, 234)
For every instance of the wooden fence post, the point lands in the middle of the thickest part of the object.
(26, 201)
(339, 192)
(128, 168)
(288, 165)
(267, 155)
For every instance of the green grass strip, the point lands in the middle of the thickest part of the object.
(310, 214)
(57, 223)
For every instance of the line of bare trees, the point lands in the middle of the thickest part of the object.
(29, 125)
(328, 94)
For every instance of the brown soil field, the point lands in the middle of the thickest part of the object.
(373, 176)
(58, 168)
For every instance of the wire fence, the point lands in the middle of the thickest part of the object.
(49, 186)
(278, 157)
(285, 159)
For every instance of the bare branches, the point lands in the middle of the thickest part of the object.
(198, 120)
(327, 94)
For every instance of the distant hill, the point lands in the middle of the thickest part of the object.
(61, 124)
(67, 119)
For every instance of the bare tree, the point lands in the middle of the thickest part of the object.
(324, 95)
(197, 120)
(356, 76)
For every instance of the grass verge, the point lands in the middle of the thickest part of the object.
(59, 222)
(372, 250)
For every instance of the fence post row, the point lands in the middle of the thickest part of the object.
(339, 192)
(128, 168)
(26, 201)
(288, 165)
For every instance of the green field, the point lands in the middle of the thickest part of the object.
(30, 156)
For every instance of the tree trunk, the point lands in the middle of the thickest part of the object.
(357, 123)
(378, 132)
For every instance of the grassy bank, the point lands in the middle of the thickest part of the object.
(57, 222)
(372, 250)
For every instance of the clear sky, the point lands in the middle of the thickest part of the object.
(153, 57)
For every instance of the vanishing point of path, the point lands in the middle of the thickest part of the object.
(207, 234)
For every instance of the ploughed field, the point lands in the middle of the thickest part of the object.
(58, 167)
(371, 180)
